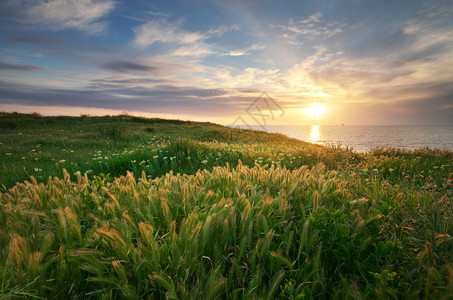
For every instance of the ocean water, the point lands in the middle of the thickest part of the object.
(364, 138)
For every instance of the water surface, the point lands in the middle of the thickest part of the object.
(364, 138)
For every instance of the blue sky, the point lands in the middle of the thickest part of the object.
(364, 62)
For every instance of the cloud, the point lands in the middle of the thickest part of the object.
(126, 66)
(404, 66)
(196, 50)
(422, 112)
(160, 31)
(36, 40)
(14, 67)
(222, 29)
(176, 41)
(391, 60)
(36, 54)
(376, 89)
(434, 16)
(114, 82)
(237, 2)
(58, 15)
(312, 27)
(315, 18)
(201, 102)
(430, 33)
(255, 78)
(246, 51)
(157, 13)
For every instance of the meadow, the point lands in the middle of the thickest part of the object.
(126, 207)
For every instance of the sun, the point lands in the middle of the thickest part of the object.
(315, 111)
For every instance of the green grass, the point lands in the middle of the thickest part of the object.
(43, 146)
(126, 207)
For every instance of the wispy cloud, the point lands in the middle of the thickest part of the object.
(237, 2)
(252, 79)
(430, 32)
(127, 66)
(218, 31)
(246, 51)
(157, 13)
(57, 15)
(161, 31)
(14, 67)
(196, 50)
(177, 41)
(315, 18)
(36, 40)
(309, 28)
(115, 83)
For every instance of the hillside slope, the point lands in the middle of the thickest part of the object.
(125, 207)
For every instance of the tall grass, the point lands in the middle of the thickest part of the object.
(230, 233)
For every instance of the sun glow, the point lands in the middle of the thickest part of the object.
(315, 111)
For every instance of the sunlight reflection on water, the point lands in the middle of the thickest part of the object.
(314, 134)
(364, 138)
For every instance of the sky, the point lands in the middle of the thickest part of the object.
(253, 62)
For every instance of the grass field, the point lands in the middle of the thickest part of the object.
(128, 207)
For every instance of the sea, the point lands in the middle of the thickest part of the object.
(365, 138)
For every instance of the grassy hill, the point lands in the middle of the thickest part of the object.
(127, 207)
(43, 146)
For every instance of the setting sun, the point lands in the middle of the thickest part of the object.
(315, 111)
